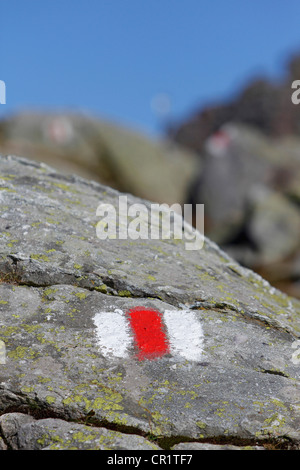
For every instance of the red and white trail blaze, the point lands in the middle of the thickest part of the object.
(149, 334)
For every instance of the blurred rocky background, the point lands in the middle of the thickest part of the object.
(103, 151)
(241, 159)
(249, 177)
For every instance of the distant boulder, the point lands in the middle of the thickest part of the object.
(263, 104)
(105, 152)
(249, 175)
(249, 185)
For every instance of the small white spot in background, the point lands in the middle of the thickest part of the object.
(217, 144)
(59, 130)
(161, 104)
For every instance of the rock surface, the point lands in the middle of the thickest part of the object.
(23, 432)
(230, 375)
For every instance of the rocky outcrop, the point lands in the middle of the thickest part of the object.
(262, 104)
(249, 179)
(249, 185)
(220, 365)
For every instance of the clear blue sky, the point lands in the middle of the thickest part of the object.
(113, 57)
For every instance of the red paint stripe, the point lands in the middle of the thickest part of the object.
(150, 338)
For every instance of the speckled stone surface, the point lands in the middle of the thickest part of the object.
(56, 275)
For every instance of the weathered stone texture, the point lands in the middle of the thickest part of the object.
(56, 275)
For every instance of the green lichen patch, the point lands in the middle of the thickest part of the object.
(22, 352)
(40, 257)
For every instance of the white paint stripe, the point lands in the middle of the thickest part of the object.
(185, 334)
(113, 333)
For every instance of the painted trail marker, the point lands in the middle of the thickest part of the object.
(149, 333)
(148, 330)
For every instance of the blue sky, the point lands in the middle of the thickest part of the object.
(114, 58)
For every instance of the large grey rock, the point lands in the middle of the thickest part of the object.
(10, 425)
(230, 372)
(2, 444)
(25, 433)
